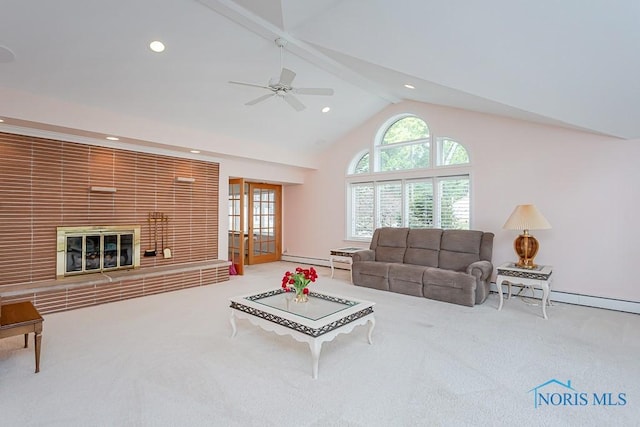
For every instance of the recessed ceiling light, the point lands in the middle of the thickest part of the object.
(156, 46)
(1, 121)
(195, 151)
(113, 138)
(326, 109)
(408, 86)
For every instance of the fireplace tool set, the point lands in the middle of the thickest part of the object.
(158, 220)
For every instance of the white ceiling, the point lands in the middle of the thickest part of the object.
(571, 63)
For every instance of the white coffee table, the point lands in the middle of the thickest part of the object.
(320, 319)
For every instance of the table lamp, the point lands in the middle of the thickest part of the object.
(526, 217)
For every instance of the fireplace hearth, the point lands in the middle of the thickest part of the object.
(94, 249)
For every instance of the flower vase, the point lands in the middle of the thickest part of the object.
(301, 296)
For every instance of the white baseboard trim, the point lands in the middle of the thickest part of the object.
(577, 299)
(558, 296)
(306, 260)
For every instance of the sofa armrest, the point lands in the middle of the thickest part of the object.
(364, 255)
(481, 270)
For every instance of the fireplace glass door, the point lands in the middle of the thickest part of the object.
(98, 251)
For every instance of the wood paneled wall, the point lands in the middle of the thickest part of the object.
(45, 183)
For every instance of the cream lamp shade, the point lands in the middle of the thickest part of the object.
(526, 217)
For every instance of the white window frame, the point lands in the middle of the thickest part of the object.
(434, 173)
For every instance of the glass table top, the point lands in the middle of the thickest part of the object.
(316, 308)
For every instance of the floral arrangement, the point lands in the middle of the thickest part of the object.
(297, 282)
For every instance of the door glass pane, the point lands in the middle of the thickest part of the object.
(264, 209)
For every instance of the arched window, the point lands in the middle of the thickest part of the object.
(404, 145)
(362, 165)
(410, 182)
(451, 153)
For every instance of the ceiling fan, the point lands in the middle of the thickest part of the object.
(282, 86)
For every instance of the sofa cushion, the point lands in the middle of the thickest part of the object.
(448, 279)
(423, 246)
(406, 279)
(371, 274)
(459, 248)
(450, 295)
(391, 244)
(449, 286)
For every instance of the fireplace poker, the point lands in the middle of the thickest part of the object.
(155, 232)
(150, 252)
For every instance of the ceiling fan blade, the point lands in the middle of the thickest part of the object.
(249, 84)
(313, 91)
(294, 102)
(286, 77)
(260, 99)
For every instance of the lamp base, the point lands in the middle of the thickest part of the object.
(526, 247)
(527, 264)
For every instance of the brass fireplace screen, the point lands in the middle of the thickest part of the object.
(82, 250)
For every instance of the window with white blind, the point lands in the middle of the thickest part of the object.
(389, 206)
(419, 203)
(363, 214)
(405, 181)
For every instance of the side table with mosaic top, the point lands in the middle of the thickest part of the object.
(538, 277)
(343, 255)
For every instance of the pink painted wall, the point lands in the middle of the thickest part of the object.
(584, 184)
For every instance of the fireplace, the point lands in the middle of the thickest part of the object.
(83, 250)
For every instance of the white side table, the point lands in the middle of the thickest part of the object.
(343, 255)
(539, 277)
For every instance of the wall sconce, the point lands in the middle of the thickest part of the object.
(185, 179)
(94, 189)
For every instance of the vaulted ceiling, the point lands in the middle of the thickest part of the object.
(569, 63)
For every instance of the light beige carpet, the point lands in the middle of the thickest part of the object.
(168, 360)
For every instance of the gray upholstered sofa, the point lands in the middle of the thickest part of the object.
(446, 265)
